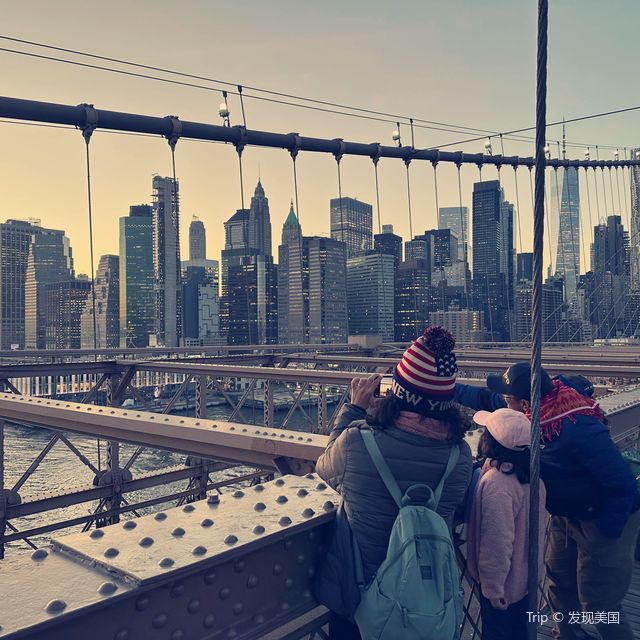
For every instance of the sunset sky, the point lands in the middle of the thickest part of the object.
(467, 63)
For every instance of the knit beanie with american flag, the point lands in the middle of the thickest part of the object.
(424, 380)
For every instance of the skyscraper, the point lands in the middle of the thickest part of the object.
(137, 279)
(201, 302)
(107, 304)
(312, 287)
(565, 207)
(370, 293)
(259, 223)
(49, 262)
(15, 240)
(388, 243)
(352, 223)
(456, 219)
(64, 302)
(493, 257)
(197, 240)
(166, 262)
(412, 298)
(634, 178)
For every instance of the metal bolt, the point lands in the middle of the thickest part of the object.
(279, 482)
(97, 533)
(177, 590)
(166, 562)
(260, 506)
(39, 554)
(224, 593)
(210, 577)
(161, 515)
(107, 588)
(145, 542)
(230, 539)
(177, 635)
(259, 487)
(239, 566)
(178, 532)
(259, 619)
(238, 494)
(252, 582)
(193, 606)
(207, 522)
(300, 559)
(209, 621)
(159, 621)
(130, 524)
(288, 583)
(214, 499)
(56, 606)
(302, 493)
(285, 521)
(282, 499)
(277, 569)
(307, 513)
(321, 486)
(258, 529)
(237, 608)
(199, 550)
(284, 606)
(123, 634)
(111, 552)
(328, 505)
(188, 508)
(142, 604)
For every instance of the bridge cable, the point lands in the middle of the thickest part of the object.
(519, 237)
(294, 157)
(463, 228)
(434, 164)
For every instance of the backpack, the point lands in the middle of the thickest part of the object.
(415, 594)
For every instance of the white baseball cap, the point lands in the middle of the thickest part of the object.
(510, 428)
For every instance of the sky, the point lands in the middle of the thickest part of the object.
(462, 62)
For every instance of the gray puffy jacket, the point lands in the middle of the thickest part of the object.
(371, 511)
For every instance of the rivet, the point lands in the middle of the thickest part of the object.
(107, 588)
(39, 554)
(302, 493)
(111, 552)
(239, 566)
(97, 533)
(199, 550)
(300, 559)
(159, 621)
(178, 532)
(232, 633)
(177, 635)
(312, 535)
(188, 508)
(282, 499)
(145, 542)
(232, 428)
(214, 499)
(123, 634)
(311, 572)
(285, 521)
(306, 593)
(307, 513)
(238, 494)
(193, 606)
(238, 608)
(288, 583)
(279, 482)
(260, 506)
(258, 529)
(56, 606)
(259, 487)
(177, 590)
(259, 619)
(288, 543)
(252, 581)
(230, 539)
(166, 562)
(142, 604)
(277, 569)
(224, 593)
(210, 577)
(321, 486)
(209, 621)
(284, 606)
(328, 505)
(130, 524)
(161, 515)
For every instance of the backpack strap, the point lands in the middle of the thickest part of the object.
(381, 465)
(453, 459)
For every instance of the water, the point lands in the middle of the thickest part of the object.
(62, 470)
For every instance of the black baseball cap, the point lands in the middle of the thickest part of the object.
(516, 381)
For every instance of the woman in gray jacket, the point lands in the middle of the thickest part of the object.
(415, 424)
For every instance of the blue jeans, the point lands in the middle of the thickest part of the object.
(507, 624)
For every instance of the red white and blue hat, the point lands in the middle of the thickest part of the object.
(425, 378)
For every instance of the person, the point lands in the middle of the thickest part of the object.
(498, 530)
(592, 498)
(415, 425)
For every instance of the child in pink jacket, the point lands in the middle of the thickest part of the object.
(498, 533)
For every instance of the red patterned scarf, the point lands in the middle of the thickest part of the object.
(563, 403)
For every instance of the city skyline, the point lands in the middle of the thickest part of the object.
(208, 172)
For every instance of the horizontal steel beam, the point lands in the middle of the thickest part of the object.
(81, 115)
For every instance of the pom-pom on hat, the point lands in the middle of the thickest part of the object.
(425, 378)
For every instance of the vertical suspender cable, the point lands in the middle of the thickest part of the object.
(519, 222)
(509, 315)
(536, 345)
(375, 173)
(407, 162)
(464, 239)
(435, 190)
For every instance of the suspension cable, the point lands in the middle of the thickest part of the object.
(442, 273)
(464, 238)
(375, 173)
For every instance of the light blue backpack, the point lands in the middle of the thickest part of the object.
(415, 594)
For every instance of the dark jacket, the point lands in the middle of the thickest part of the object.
(370, 510)
(584, 474)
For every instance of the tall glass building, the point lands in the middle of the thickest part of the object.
(64, 302)
(197, 240)
(137, 293)
(352, 223)
(634, 177)
(564, 206)
(456, 219)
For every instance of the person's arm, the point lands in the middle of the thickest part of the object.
(593, 447)
(497, 536)
(478, 398)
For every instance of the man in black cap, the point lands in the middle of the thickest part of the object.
(591, 495)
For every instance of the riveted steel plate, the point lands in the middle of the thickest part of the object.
(223, 526)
